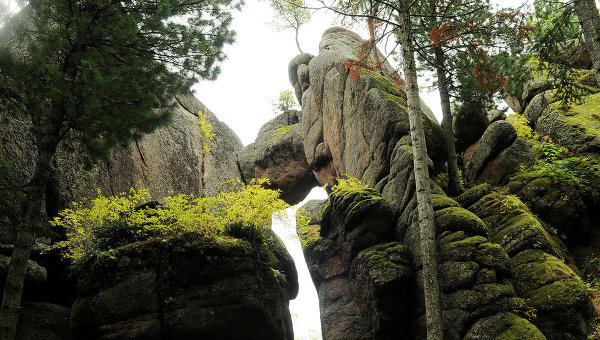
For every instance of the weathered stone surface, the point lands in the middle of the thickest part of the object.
(382, 282)
(495, 139)
(577, 128)
(469, 126)
(503, 326)
(351, 126)
(536, 107)
(278, 154)
(467, 198)
(180, 289)
(541, 272)
(338, 257)
(34, 280)
(38, 320)
(561, 205)
(358, 128)
(516, 157)
(166, 162)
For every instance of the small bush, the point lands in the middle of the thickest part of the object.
(105, 223)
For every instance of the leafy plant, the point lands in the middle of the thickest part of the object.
(554, 161)
(287, 100)
(105, 223)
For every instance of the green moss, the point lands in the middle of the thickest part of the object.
(533, 275)
(278, 133)
(517, 328)
(350, 202)
(493, 256)
(442, 201)
(559, 295)
(456, 218)
(387, 262)
(385, 84)
(309, 235)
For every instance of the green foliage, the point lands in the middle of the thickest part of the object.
(555, 45)
(347, 182)
(554, 161)
(105, 223)
(290, 14)
(104, 70)
(591, 272)
(287, 101)
(206, 131)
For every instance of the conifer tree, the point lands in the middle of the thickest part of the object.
(97, 74)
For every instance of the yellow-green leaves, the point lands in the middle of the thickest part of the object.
(251, 204)
(206, 131)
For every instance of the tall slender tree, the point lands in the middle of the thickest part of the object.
(431, 287)
(97, 74)
(589, 18)
(290, 14)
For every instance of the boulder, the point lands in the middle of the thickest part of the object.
(352, 126)
(469, 125)
(576, 128)
(165, 162)
(278, 154)
(496, 138)
(541, 272)
(34, 280)
(39, 320)
(497, 155)
(182, 288)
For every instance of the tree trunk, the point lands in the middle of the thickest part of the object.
(589, 20)
(424, 206)
(26, 235)
(297, 42)
(454, 186)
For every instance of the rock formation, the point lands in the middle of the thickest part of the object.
(359, 128)
(182, 289)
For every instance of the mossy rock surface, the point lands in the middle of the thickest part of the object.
(160, 288)
(577, 128)
(504, 326)
(474, 194)
(442, 201)
(456, 219)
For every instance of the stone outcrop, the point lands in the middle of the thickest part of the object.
(542, 270)
(166, 162)
(39, 320)
(278, 154)
(358, 127)
(497, 155)
(352, 127)
(183, 289)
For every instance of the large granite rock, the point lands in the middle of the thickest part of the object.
(497, 155)
(183, 288)
(542, 270)
(352, 126)
(358, 127)
(39, 320)
(166, 162)
(278, 154)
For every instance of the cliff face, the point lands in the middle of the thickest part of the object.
(499, 265)
(160, 290)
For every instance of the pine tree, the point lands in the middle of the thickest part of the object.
(97, 74)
